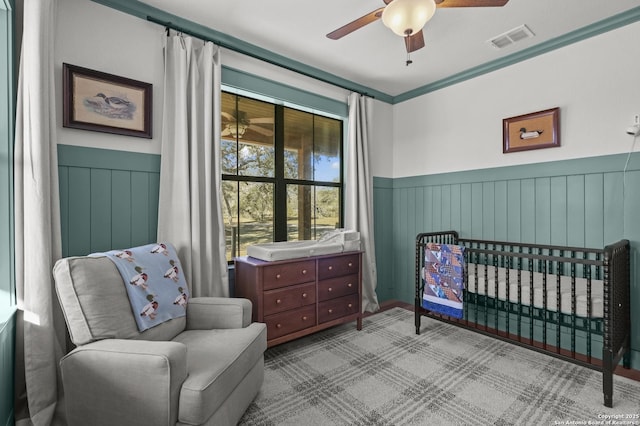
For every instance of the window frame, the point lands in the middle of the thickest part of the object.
(279, 181)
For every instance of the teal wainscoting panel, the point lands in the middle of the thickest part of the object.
(383, 228)
(500, 210)
(477, 204)
(527, 203)
(427, 205)
(488, 210)
(514, 217)
(575, 210)
(465, 210)
(594, 210)
(456, 218)
(586, 202)
(121, 209)
(108, 199)
(613, 198)
(542, 210)
(558, 219)
(445, 222)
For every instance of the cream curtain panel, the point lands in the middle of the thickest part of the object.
(189, 211)
(359, 194)
(41, 332)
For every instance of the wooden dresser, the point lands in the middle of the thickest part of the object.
(297, 297)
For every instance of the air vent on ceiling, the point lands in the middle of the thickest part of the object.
(510, 37)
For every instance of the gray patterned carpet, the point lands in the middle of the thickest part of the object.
(387, 375)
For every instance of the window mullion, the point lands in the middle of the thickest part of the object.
(280, 187)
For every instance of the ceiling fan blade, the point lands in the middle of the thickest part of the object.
(261, 130)
(263, 120)
(414, 42)
(354, 25)
(470, 3)
(227, 116)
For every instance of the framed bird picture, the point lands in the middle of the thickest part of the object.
(102, 102)
(531, 131)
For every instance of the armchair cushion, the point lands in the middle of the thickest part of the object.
(206, 313)
(122, 382)
(218, 360)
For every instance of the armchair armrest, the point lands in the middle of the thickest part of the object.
(207, 313)
(116, 381)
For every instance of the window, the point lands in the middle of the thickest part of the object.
(282, 173)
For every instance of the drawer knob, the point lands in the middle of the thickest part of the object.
(349, 285)
(278, 301)
(304, 271)
(277, 276)
(350, 264)
(350, 305)
(304, 295)
(278, 325)
(330, 267)
(330, 311)
(304, 318)
(329, 289)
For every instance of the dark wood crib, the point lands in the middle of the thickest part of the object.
(568, 302)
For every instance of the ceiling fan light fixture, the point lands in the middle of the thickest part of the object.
(407, 17)
(237, 131)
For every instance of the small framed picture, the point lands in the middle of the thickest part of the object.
(101, 102)
(531, 131)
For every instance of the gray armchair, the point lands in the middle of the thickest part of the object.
(202, 369)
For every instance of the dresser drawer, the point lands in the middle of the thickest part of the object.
(337, 287)
(286, 298)
(284, 274)
(338, 266)
(337, 308)
(290, 321)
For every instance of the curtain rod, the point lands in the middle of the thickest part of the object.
(170, 25)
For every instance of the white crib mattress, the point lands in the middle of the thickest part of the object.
(536, 281)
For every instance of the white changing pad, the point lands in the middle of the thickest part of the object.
(292, 249)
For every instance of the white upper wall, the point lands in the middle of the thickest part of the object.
(595, 82)
(97, 37)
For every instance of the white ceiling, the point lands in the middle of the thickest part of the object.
(455, 38)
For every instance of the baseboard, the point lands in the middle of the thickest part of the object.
(630, 373)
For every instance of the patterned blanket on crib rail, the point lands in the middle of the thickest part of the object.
(443, 276)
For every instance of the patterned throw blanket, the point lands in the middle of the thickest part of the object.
(443, 279)
(154, 281)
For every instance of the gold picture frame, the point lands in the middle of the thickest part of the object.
(101, 102)
(536, 130)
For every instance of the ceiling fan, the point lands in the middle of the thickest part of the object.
(237, 127)
(406, 18)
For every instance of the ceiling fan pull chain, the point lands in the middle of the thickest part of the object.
(409, 61)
